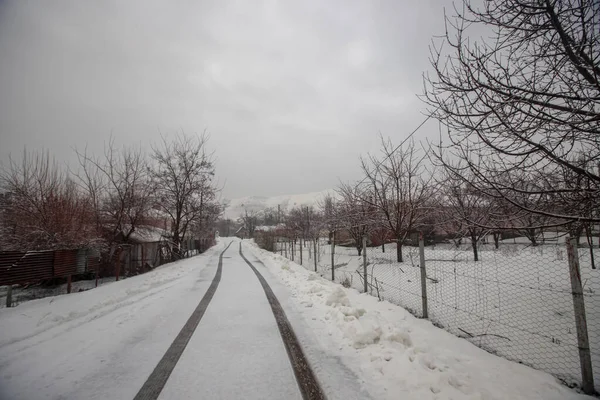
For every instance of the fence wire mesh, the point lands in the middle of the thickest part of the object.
(516, 301)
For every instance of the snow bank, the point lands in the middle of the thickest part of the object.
(398, 356)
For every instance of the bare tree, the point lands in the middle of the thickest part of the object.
(120, 188)
(304, 222)
(43, 208)
(296, 223)
(464, 212)
(524, 98)
(209, 212)
(183, 178)
(529, 186)
(250, 220)
(399, 186)
(381, 233)
(355, 213)
(270, 216)
(328, 209)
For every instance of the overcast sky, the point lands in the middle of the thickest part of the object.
(291, 92)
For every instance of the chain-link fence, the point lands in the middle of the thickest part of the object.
(590, 281)
(517, 301)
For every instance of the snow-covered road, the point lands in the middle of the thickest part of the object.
(105, 343)
(236, 351)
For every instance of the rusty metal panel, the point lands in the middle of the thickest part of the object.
(65, 262)
(24, 267)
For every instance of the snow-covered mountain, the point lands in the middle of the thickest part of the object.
(236, 207)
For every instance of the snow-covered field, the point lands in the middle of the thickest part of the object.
(398, 356)
(515, 302)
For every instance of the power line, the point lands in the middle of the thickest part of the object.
(395, 149)
(388, 156)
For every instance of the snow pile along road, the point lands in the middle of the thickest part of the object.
(398, 356)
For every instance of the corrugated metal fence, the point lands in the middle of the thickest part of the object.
(33, 267)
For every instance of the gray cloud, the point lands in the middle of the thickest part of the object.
(291, 92)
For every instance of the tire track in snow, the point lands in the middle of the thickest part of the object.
(158, 378)
(305, 377)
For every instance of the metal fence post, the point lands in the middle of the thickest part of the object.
(143, 250)
(332, 258)
(587, 376)
(318, 249)
(9, 296)
(364, 254)
(118, 264)
(97, 272)
(423, 275)
(315, 253)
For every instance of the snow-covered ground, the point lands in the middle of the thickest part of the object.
(23, 294)
(101, 343)
(104, 343)
(515, 301)
(424, 361)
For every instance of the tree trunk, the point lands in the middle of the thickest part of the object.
(176, 250)
(474, 245)
(590, 241)
(496, 240)
(399, 250)
(359, 248)
(383, 247)
(576, 232)
(532, 236)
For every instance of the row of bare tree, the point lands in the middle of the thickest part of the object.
(406, 190)
(111, 196)
(521, 106)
